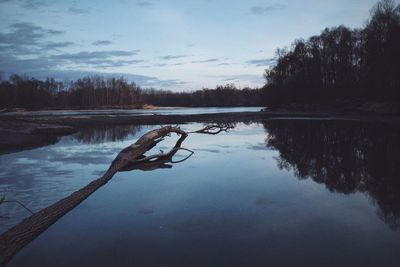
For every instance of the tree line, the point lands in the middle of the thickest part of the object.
(24, 92)
(341, 64)
(97, 91)
(222, 96)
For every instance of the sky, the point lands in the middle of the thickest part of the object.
(175, 45)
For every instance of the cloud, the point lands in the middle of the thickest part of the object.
(246, 77)
(102, 42)
(206, 60)
(262, 62)
(32, 4)
(28, 39)
(108, 63)
(78, 11)
(54, 32)
(169, 57)
(144, 4)
(96, 58)
(240, 78)
(11, 64)
(84, 55)
(266, 9)
(164, 83)
(56, 45)
(38, 51)
(28, 4)
(25, 48)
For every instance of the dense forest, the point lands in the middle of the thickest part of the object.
(30, 93)
(222, 96)
(89, 92)
(341, 64)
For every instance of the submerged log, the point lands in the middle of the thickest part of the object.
(13, 240)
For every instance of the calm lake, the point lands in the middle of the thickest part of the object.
(274, 192)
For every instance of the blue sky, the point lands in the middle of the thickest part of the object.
(175, 45)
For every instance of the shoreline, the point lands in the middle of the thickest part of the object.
(145, 107)
(19, 132)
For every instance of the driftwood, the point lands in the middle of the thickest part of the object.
(130, 158)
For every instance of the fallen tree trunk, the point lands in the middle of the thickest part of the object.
(27, 230)
(130, 158)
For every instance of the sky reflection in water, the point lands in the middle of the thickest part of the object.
(237, 201)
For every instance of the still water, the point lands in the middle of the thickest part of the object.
(275, 192)
(158, 111)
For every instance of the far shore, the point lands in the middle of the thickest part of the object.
(20, 132)
(89, 108)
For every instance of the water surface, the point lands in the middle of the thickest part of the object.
(276, 192)
(158, 111)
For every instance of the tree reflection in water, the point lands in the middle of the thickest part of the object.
(346, 156)
(100, 134)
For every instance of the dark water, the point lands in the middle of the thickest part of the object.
(277, 192)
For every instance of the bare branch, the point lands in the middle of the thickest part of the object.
(214, 129)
